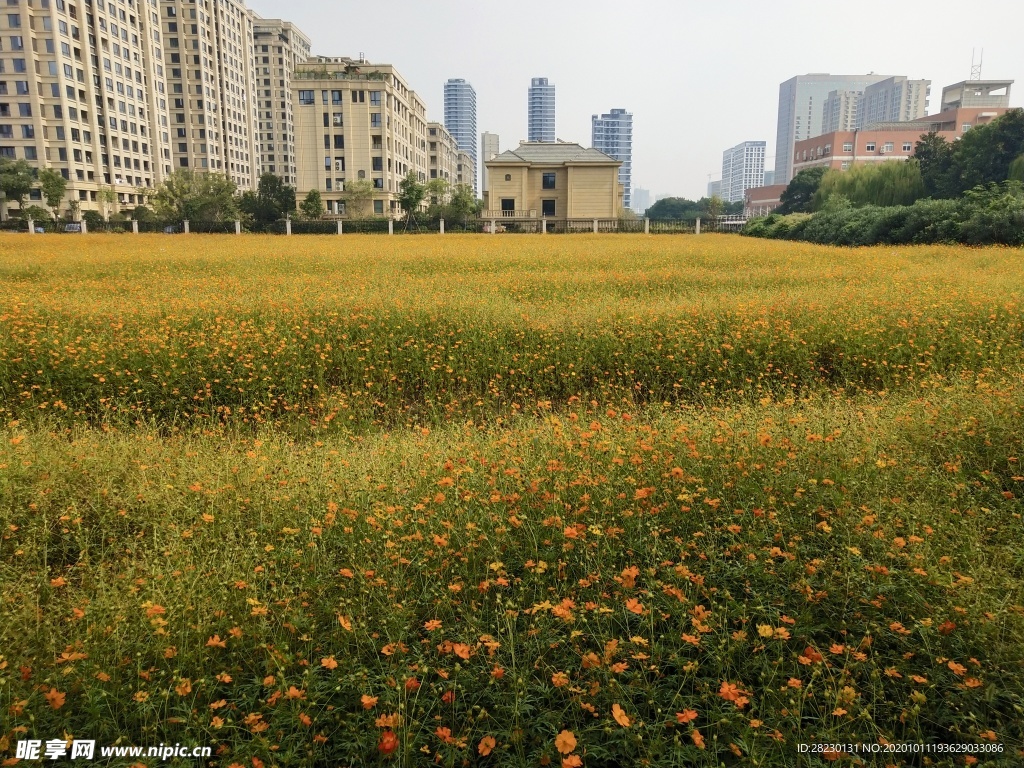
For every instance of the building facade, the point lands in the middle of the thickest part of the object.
(742, 168)
(896, 99)
(356, 121)
(977, 93)
(279, 46)
(442, 154)
(460, 117)
(840, 111)
(490, 147)
(612, 133)
(553, 180)
(715, 188)
(801, 106)
(886, 141)
(83, 92)
(210, 65)
(641, 200)
(541, 110)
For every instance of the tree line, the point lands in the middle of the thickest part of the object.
(970, 190)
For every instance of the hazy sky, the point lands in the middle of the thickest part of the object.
(699, 77)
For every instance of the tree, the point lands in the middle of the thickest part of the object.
(312, 205)
(410, 196)
(272, 200)
(984, 155)
(799, 195)
(358, 194)
(200, 197)
(934, 157)
(16, 179)
(107, 197)
(712, 207)
(893, 182)
(674, 208)
(1017, 169)
(463, 203)
(53, 186)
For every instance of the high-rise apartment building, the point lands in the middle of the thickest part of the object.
(279, 48)
(355, 120)
(612, 133)
(641, 200)
(895, 100)
(83, 92)
(841, 110)
(742, 168)
(460, 116)
(442, 153)
(489, 149)
(211, 74)
(715, 188)
(541, 110)
(801, 104)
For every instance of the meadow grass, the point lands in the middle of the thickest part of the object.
(606, 501)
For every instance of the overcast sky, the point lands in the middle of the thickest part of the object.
(699, 77)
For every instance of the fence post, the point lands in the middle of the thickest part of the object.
(595, 226)
(442, 226)
(85, 227)
(391, 226)
(647, 226)
(135, 226)
(31, 227)
(238, 227)
(494, 227)
(339, 226)
(185, 223)
(696, 230)
(543, 226)
(287, 226)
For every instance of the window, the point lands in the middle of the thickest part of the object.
(887, 147)
(549, 183)
(335, 97)
(547, 207)
(375, 98)
(846, 165)
(305, 97)
(378, 164)
(965, 127)
(378, 183)
(25, 110)
(375, 119)
(339, 141)
(908, 147)
(508, 177)
(870, 146)
(378, 207)
(336, 119)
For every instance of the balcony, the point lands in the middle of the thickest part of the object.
(516, 214)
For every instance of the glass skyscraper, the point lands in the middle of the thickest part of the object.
(612, 134)
(460, 117)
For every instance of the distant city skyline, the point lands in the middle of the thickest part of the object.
(674, 152)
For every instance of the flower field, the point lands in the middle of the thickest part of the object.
(597, 501)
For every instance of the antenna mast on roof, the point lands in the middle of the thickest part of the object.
(976, 68)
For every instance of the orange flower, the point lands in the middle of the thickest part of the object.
(486, 745)
(388, 743)
(184, 687)
(559, 679)
(733, 693)
(449, 697)
(329, 663)
(958, 669)
(572, 761)
(444, 734)
(634, 606)
(620, 716)
(216, 642)
(369, 702)
(686, 716)
(462, 650)
(412, 684)
(565, 742)
(431, 625)
(55, 698)
(698, 740)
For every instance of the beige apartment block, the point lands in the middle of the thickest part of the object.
(465, 170)
(442, 153)
(210, 68)
(356, 120)
(553, 180)
(280, 47)
(82, 91)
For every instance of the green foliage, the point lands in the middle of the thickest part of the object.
(37, 213)
(53, 186)
(1017, 169)
(16, 180)
(992, 214)
(272, 201)
(142, 213)
(798, 197)
(312, 205)
(894, 182)
(986, 154)
(358, 194)
(197, 197)
(411, 194)
(94, 220)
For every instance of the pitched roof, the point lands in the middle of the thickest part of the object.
(552, 153)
